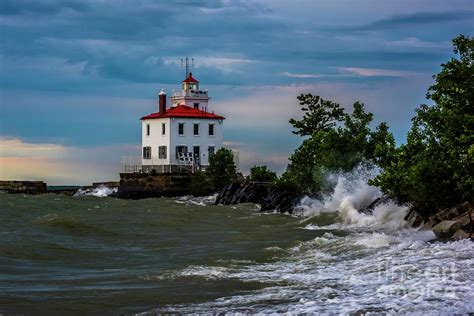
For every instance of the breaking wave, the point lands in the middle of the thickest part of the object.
(100, 191)
(352, 193)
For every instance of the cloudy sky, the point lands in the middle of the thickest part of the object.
(76, 76)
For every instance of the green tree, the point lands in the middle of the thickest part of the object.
(340, 143)
(319, 115)
(221, 170)
(262, 174)
(434, 169)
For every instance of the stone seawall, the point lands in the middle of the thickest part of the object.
(142, 186)
(27, 187)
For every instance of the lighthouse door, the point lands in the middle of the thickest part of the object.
(197, 155)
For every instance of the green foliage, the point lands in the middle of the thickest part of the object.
(262, 174)
(319, 115)
(221, 170)
(201, 184)
(435, 168)
(337, 141)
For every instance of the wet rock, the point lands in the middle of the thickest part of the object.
(414, 219)
(446, 229)
(259, 193)
(445, 214)
(225, 195)
(429, 224)
(464, 219)
(377, 202)
(461, 234)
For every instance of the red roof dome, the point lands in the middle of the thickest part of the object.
(184, 112)
(190, 79)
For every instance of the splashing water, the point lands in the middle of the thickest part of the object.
(100, 191)
(350, 194)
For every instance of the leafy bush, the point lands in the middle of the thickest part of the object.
(262, 174)
(201, 184)
(221, 170)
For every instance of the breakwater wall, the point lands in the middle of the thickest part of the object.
(27, 187)
(147, 185)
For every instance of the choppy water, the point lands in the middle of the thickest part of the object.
(93, 255)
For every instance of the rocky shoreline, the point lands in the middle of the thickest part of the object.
(451, 223)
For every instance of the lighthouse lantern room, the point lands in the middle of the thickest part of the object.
(183, 136)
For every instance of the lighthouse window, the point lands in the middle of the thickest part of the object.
(146, 152)
(196, 129)
(211, 129)
(163, 128)
(162, 152)
(148, 130)
(181, 128)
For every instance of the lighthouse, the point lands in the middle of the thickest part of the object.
(184, 135)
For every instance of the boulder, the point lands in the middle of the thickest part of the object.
(446, 229)
(464, 219)
(414, 219)
(461, 234)
(445, 214)
(429, 224)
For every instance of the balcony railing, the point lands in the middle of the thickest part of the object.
(189, 93)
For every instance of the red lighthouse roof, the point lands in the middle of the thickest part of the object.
(184, 111)
(190, 79)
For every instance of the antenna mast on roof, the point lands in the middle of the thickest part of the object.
(187, 65)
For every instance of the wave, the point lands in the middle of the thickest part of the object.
(351, 193)
(100, 191)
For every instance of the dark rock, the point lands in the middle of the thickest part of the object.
(259, 193)
(414, 219)
(445, 214)
(378, 201)
(429, 224)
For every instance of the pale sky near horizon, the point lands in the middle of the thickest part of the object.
(76, 76)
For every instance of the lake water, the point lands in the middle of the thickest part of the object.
(98, 255)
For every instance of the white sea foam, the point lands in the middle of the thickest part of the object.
(374, 272)
(198, 200)
(100, 191)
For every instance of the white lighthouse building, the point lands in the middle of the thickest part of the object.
(183, 135)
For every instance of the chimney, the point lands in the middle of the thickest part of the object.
(162, 102)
